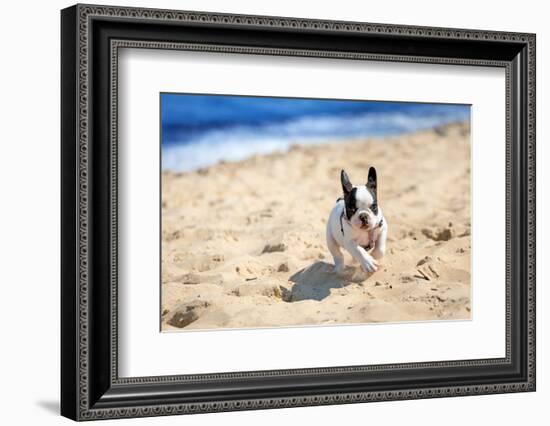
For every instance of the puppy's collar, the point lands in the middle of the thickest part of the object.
(342, 221)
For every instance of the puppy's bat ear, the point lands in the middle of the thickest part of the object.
(372, 181)
(346, 184)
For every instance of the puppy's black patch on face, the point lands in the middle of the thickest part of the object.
(351, 203)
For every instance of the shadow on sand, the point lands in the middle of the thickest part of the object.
(315, 281)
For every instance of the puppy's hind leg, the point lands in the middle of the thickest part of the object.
(337, 255)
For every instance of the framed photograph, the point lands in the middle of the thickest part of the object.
(263, 212)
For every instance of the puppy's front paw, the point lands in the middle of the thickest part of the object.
(369, 264)
(338, 267)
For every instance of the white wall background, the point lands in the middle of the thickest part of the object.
(29, 211)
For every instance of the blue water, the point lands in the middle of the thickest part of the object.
(201, 130)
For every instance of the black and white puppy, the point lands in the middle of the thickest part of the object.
(357, 224)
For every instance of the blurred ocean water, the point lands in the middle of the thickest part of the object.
(201, 130)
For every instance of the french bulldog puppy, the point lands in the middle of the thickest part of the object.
(356, 223)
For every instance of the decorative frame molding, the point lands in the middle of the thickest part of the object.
(91, 388)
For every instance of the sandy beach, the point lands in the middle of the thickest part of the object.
(243, 244)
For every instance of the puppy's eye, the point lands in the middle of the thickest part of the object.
(374, 208)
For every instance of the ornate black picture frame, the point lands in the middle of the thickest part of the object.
(91, 36)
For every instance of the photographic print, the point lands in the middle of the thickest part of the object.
(299, 212)
(319, 197)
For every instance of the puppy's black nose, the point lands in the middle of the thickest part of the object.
(364, 218)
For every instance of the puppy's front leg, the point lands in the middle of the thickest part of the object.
(380, 244)
(367, 262)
